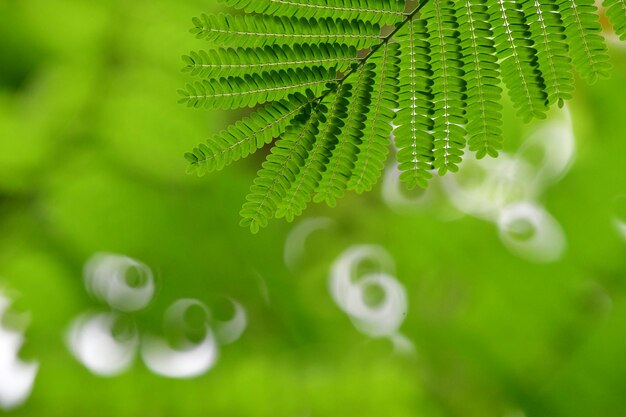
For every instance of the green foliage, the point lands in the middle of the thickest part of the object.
(374, 146)
(216, 63)
(376, 11)
(339, 168)
(260, 30)
(246, 136)
(88, 132)
(332, 78)
(254, 89)
(303, 188)
(546, 28)
(413, 137)
(281, 167)
(482, 74)
(586, 46)
(616, 12)
(448, 89)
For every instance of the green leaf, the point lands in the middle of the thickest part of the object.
(336, 80)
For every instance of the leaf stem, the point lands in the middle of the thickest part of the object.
(375, 48)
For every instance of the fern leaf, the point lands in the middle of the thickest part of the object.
(280, 170)
(260, 30)
(587, 47)
(482, 76)
(374, 147)
(448, 86)
(413, 137)
(334, 77)
(246, 136)
(334, 180)
(377, 11)
(547, 29)
(519, 66)
(239, 62)
(254, 89)
(302, 189)
(616, 12)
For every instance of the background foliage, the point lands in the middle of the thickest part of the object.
(92, 142)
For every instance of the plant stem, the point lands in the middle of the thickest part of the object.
(375, 48)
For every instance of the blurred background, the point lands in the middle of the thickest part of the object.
(127, 287)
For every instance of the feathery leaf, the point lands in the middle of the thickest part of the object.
(374, 146)
(482, 76)
(335, 178)
(239, 62)
(377, 11)
(546, 27)
(413, 138)
(246, 136)
(280, 169)
(616, 12)
(586, 46)
(335, 80)
(253, 89)
(260, 30)
(448, 87)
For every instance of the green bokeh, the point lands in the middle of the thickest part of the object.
(91, 141)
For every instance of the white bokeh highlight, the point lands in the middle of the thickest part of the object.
(500, 181)
(92, 341)
(295, 244)
(187, 361)
(619, 215)
(394, 192)
(229, 331)
(106, 279)
(348, 289)
(507, 190)
(16, 377)
(529, 231)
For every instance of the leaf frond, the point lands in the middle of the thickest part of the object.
(616, 12)
(377, 11)
(587, 47)
(413, 137)
(239, 62)
(374, 146)
(339, 168)
(254, 89)
(303, 188)
(281, 168)
(247, 135)
(249, 31)
(337, 83)
(482, 78)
